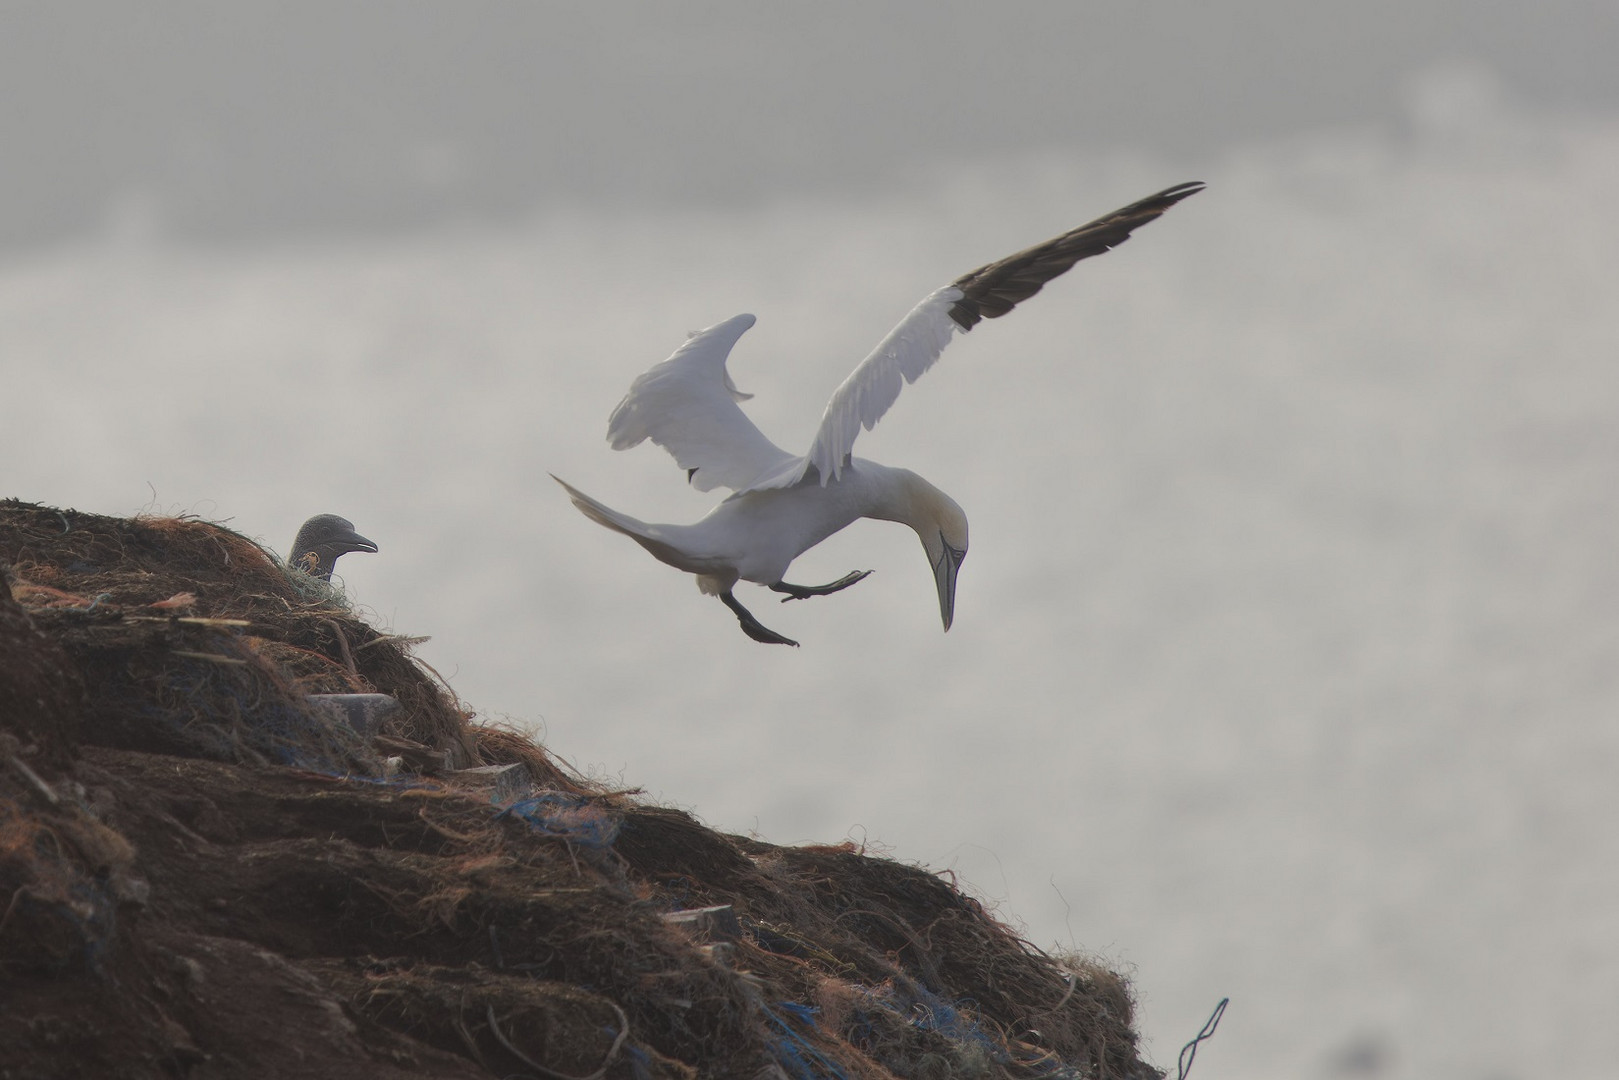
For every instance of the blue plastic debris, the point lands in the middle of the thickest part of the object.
(573, 818)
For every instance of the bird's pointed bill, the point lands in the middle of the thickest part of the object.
(360, 543)
(944, 576)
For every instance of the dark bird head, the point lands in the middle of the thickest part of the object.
(322, 539)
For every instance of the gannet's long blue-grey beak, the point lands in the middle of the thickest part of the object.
(944, 576)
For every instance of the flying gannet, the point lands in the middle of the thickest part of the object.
(784, 504)
(321, 540)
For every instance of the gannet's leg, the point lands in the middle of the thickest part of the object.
(751, 626)
(800, 592)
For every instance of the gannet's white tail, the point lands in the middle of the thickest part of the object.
(652, 537)
(605, 515)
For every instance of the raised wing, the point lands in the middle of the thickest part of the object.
(991, 291)
(908, 350)
(986, 293)
(687, 405)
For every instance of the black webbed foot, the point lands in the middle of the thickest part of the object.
(803, 592)
(751, 626)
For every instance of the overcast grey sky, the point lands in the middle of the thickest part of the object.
(215, 121)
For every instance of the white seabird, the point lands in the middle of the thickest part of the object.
(784, 504)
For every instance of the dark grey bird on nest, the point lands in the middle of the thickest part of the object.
(321, 541)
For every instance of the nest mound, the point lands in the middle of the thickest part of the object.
(206, 872)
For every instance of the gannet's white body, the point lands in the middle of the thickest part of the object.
(784, 504)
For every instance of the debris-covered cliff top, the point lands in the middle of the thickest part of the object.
(244, 834)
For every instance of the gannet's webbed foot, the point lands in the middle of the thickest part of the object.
(755, 629)
(801, 592)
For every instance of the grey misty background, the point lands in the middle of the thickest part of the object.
(244, 121)
(1284, 659)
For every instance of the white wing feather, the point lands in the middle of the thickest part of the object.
(687, 405)
(874, 385)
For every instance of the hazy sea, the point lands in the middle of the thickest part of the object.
(1284, 665)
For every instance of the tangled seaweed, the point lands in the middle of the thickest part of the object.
(257, 878)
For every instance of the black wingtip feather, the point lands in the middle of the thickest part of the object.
(993, 290)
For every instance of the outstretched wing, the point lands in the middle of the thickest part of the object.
(991, 291)
(986, 293)
(687, 405)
